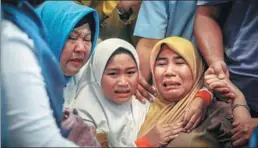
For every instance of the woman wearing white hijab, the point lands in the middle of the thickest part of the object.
(120, 121)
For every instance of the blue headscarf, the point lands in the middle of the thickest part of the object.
(27, 20)
(60, 18)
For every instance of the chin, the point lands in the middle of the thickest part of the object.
(121, 100)
(172, 97)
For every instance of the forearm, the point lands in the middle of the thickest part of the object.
(144, 48)
(208, 35)
(240, 113)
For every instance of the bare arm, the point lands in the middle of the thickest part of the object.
(144, 48)
(208, 33)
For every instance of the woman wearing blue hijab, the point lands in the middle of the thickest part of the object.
(73, 30)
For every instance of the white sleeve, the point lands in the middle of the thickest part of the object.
(28, 112)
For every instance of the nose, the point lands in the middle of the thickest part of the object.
(170, 71)
(123, 81)
(80, 46)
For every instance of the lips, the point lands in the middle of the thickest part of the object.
(122, 93)
(171, 84)
(76, 62)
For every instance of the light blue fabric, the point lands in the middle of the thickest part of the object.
(211, 2)
(253, 143)
(26, 19)
(160, 19)
(241, 47)
(60, 17)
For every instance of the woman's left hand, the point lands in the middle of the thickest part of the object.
(145, 91)
(194, 113)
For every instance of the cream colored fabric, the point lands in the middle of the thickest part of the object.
(168, 113)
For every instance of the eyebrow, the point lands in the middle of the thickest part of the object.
(78, 32)
(133, 67)
(116, 69)
(161, 58)
(178, 57)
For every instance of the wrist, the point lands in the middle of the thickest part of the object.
(218, 59)
(240, 105)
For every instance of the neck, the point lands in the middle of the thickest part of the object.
(165, 101)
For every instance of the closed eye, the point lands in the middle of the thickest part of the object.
(131, 72)
(112, 73)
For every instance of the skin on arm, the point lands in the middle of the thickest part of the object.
(243, 124)
(144, 48)
(209, 38)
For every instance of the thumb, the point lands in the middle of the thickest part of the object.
(219, 70)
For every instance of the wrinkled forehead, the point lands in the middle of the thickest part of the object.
(85, 28)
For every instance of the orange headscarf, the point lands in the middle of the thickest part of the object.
(168, 113)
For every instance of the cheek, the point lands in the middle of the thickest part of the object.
(158, 72)
(188, 79)
(66, 53)
(107, 85)
(134, 80)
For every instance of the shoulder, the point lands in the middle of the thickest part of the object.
(10, 32)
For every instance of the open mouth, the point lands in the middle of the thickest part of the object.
(76, 62)
(122, 91)
(171, 85)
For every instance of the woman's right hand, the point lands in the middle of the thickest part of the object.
(161, 134)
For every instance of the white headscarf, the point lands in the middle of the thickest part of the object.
(121, 122)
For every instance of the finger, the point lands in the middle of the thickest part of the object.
(236, 129)
(237, 135)
(217, 84)
(139, 96)
(191, 123)
(187, 116)
(196, 123)
(209, 81)
(240, 142)
(143, 92)
(222, 89)
(176, 125)
(175, 131)
(209, 71)
(147, 87)
(172, 137)
(210, 76)
(218, 68)
(236, 123)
